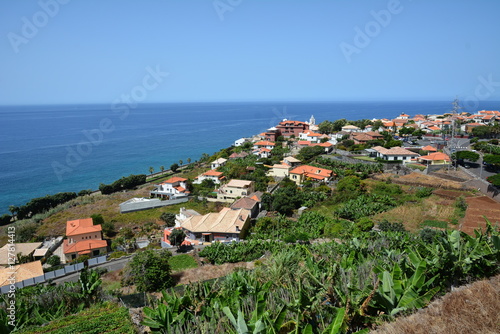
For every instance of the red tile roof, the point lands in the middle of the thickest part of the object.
(435, 156)
(84, 246)
(81, 226)
(174, 180)
(304, 142)
(264, 143)
(313, 172)
(213, 172)
(429, 148)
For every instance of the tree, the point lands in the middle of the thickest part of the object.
(151, 169)
(188, 160)
(326, 127)
(492, 159)
(309, 152)
(97, 219)
(377, 125)
(349, 187)
(180, 162)
(168, 218)
(494, 179)
(85, 192)
(5, 219)
(338, 124)
(149, 271)
(162, 168)
(174, 167)
(13, 210)
(54, 260)
(466, 155)
(177, 237)
(108, 228)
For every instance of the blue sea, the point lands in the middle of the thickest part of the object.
(50, 149)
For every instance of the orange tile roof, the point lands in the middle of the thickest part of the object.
(394, 151)
(304, 142)
(429, 148)
(174, 180)
(83, 246)
(285, 123)
(264, 143)
(20, 272)
(314, 172)
(434, 128)
(181, 189)
(81, 226)
(488, 117)
(436, 156)
(309, 133)
(213, 172)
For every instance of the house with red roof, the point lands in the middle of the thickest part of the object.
(264, 144)
(175, 187)
(212, 174)
(262, 152)
(311, 136)
(83, 238)
(436, 158)
(288, 128)
(304, 172)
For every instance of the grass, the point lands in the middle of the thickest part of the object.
(365, 158)
(182, 262)
(434, 223)
(416, 166)
(413, 215)
(470, 309)
(104, 318)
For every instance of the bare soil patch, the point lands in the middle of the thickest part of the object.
(469, 309)
(209, 271)
(477, 209)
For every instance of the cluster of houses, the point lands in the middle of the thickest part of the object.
(82, 238)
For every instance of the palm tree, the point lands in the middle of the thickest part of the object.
(13, 209)
(188, 160)
(180, 162)
(151, 170)
(162, 168)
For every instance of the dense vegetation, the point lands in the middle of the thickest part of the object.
(328, 287)
(124, 183)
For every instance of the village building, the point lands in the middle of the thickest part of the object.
(175, 187)
(350, 128)
(21, 272)
(25, 249)
(235, 189)
(264, 144)
(288, 128)
(240, 155)
(302, 173)
(279, 170)
(83, 238)
(249, 204)
(226, 225)
(394, 153)
(218, 163)
(311, 136)
(436, 158)
(213, 175)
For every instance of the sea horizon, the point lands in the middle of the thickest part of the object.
(46, 149)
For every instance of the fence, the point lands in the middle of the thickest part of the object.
(145, 204)
(69, 269)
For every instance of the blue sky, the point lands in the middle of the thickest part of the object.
(88, 51)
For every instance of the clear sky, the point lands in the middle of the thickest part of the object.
(93, 51)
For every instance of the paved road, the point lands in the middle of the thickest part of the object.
(115, 265)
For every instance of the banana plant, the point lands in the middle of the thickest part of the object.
(399, 293)
(171, 311)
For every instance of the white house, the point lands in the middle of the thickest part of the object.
(172, 188)
(395, 153)
(218, 163)
(350, 128)
(279, 170)
(308, 135)
(264, 144)
(262, 152)
(240, 141)
(213, 175)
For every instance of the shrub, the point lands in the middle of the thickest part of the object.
(168, 218)
(116, 255)
(386, 226)
(424, 192)
(54, 260)
(149, 271)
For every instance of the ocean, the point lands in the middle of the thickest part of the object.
(50, 149)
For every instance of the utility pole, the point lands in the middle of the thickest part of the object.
(451, 143)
